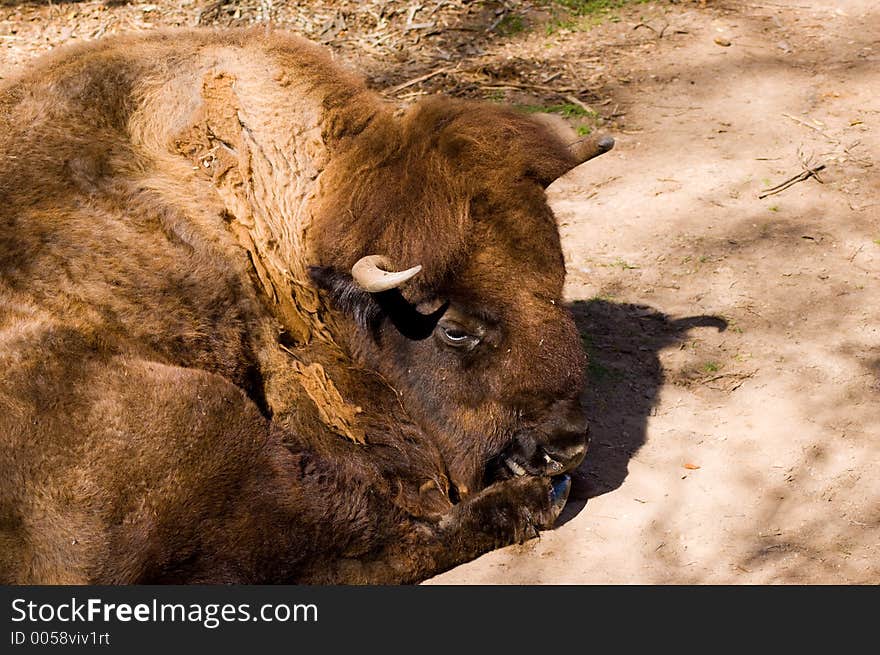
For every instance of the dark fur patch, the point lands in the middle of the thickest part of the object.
(369, 309)
(347, 297)
(406, 318)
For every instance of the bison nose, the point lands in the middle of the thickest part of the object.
(567, 445)
(560, 460)
(565, 458)
(555, 447)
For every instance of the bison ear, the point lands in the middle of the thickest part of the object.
(347, 296)
(579, 149)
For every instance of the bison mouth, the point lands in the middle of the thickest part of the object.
(505, 468)
(526, 455)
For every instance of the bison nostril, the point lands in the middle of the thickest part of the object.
(564, 442)
(549, 450)
(566, 457)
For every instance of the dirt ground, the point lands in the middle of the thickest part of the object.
(734, 340)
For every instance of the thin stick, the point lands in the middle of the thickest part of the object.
(644, 25)
(800, 177)
(416, 80)
(857, 251)
(529, 87)
(812, 127)
(659, 34)
(767, 5)
(802, 122)
(580, 104)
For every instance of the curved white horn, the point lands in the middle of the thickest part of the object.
(369, 274)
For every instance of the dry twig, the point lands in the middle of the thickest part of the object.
(812, 127)
(575, 101)
(737, 380)
(800, 177)
(660, 33)
(416, 80)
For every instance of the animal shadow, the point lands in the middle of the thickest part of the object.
(623, 342)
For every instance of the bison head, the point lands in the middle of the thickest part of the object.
(433, 235)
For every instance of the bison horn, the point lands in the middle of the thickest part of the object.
(580, 149)
(591, 146)
(370, 274)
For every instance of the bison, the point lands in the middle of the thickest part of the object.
(259, 325)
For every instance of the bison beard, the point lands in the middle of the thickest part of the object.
(194, 387)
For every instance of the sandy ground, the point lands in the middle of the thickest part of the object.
(667, 241)
(734, 341)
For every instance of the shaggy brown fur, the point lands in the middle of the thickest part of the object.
(180, 403)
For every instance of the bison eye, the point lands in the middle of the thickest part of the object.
(454, 335)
